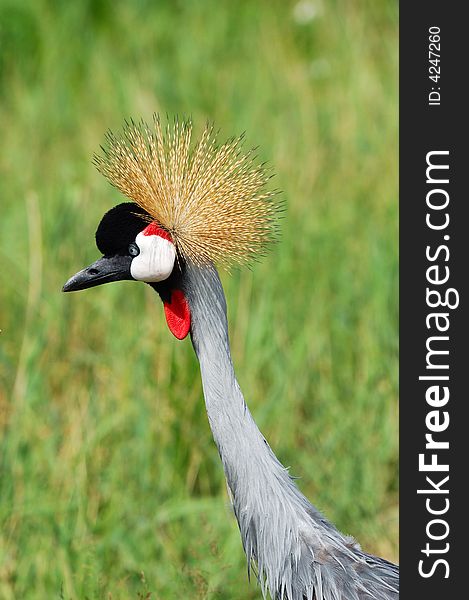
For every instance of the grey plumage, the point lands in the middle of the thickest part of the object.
(298, 553)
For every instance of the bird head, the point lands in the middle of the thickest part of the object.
(135, 250)
(203, 204)
(132, 249)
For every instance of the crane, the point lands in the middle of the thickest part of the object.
(194, 206)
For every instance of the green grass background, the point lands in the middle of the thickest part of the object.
(110, 484)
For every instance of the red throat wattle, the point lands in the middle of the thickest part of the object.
(178, 315)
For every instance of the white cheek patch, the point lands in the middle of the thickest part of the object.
(156, 259)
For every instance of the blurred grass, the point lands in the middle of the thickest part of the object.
(110, 485)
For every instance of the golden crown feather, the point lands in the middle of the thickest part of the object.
(210, 198)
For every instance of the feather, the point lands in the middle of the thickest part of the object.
(211, 198)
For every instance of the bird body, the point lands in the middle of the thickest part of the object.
(297, 552)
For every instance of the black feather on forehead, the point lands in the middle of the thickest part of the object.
(119, 227)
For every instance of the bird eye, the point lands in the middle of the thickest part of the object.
(134, 250)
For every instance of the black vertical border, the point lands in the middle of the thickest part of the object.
(424, 128)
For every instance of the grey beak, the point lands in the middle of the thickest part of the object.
(104, 270)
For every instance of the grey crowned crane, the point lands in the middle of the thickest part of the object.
(194, 206)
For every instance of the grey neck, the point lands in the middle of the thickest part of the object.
(270, 510)
(239, 441)
(298, 553)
